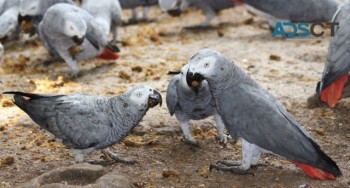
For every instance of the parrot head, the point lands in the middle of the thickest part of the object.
(202, 65)
(27, 10)
(145, 96)
(75, 28)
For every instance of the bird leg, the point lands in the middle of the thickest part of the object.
(117, 158)
(250, 157)
(188, 139)
(220, 129)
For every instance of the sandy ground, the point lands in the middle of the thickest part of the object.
(148, 52)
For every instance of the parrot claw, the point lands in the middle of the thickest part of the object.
(191, 142)
(230, 166)
(223, 140)
(115, 157)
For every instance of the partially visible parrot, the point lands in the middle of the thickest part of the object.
(71, 33)
(107, 14)
(134, 4)
(188, 105)
(335, 73)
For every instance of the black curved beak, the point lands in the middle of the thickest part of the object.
(194, 81)
(78, 40)
(174, 12)
(154, 99)
(21, 18)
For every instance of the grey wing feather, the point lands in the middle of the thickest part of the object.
(76, 119)
(172, 95)
(339, 50)
(263, 121)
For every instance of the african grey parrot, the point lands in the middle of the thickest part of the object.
(72, 33)
(295, 11)
(32, 12)
(133, 4)
(107, 13)
(87, 123)
(335, 73)
(251, 112)
(210, 7)
(182, 101)
(9, 28)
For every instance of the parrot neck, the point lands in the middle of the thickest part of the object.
(124, 116)
(228, 75)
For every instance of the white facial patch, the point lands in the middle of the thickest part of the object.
(140, 96)
(204, 65)
(71, 29)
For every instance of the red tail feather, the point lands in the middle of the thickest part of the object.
(107, 54)
(315, 172)
(333, 92)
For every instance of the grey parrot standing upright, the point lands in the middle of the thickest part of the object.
(210, 7)
(107, 13)
(133, 4)
(87, 123)
(335, 73)
(72, 33)
(9, 28)
(31, 13)
(187, 105)
(251, 112)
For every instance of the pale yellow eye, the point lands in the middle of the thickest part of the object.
(139, 94)
(206, 64)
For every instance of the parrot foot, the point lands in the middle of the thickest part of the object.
(223, 139)
(190, 141)
(231, 166)
(115, 157)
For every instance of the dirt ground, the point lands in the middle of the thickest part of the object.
(289, 69)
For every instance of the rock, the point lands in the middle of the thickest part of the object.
(167, 173)
(204, 171)
(7, 103)
(7, 160)
(79, 175)
(275, 57)
(320, 131)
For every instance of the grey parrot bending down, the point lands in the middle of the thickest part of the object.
(210, 7)
(182, 101)
(73, 34)
(31, 13)
(133, 4)
(335, 73)
(107, 13)
(9, 28)
(251, 112)
(295, 11)
(87, 123)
